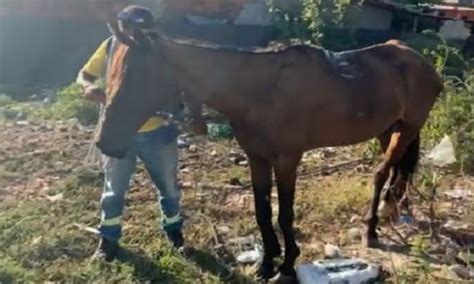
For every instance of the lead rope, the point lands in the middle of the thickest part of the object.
(94, 156)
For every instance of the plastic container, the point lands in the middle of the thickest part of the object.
(339, 271)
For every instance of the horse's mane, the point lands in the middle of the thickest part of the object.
(272, 48)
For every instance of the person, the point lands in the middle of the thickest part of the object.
(155, 144)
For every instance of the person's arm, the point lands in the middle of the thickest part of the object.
(91, 72)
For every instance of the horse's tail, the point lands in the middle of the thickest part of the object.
(410, 158)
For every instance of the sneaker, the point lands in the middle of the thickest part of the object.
(107, 250)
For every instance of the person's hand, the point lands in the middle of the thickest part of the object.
(95, 94)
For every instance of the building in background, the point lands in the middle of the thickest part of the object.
(46, 41)
(94, 10)
(459, 2)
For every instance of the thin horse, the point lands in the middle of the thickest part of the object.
(282, 103)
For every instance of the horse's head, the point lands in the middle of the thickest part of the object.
(138, 85)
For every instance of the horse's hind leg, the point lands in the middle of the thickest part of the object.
(406, 168)
(400, 177)
(401, 137)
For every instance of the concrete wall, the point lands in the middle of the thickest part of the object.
(38, 51)
(45, 52)
(454, 29)
(255, 13)
(370, 18)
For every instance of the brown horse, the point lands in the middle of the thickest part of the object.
(282, 103)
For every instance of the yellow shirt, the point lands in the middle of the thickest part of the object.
(96, 67)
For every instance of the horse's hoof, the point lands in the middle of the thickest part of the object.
(265, 272)
(371, 242)
(282, 278)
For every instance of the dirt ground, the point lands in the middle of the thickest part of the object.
(49, 197)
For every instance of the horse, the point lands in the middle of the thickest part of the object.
(281, 101)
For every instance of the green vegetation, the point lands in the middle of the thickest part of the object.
(70, 104)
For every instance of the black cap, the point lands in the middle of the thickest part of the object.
(138, 16)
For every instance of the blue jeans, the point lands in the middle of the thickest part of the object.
(158, 151)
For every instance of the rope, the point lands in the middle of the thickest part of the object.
(94, 156)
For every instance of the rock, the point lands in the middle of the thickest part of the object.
(243, 163)
(223, 229)
(55, 198)
(251, 256)
(354, 235)
(37, 240)
(192, 148)
(214, 153)
(332, 251)
(355, 218)
(187, 184)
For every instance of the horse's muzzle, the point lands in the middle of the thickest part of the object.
(111, 151)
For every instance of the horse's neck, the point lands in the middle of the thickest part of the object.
(207, 74)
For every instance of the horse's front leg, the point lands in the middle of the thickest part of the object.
(285, 173)
(261, 173)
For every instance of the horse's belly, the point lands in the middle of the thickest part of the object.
(343, 130)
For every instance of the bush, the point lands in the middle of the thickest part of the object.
(5, 100)
(217, 131)
(453, 114)
(308, 20)
(70, 104)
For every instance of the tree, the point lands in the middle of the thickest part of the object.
(307, 20)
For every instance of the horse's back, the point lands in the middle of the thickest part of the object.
(360, 93)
